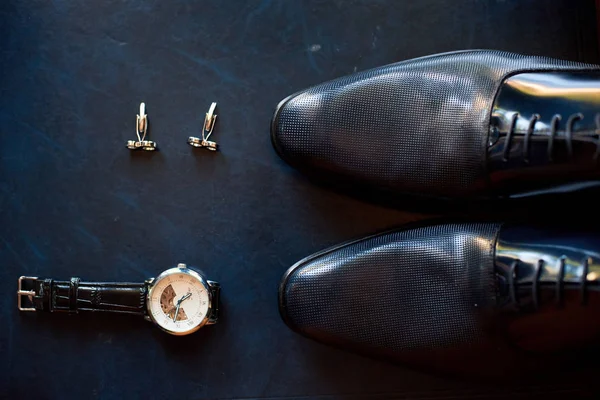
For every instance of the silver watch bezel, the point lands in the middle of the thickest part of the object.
(174, 271)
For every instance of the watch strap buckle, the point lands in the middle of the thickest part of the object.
(29, 293)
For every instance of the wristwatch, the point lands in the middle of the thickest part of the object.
(180, 300)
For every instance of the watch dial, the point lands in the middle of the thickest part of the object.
(179, 301)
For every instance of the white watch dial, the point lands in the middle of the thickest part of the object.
(178, 301)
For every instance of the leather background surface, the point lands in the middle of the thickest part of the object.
(75, 201)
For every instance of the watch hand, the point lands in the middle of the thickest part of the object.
(186, 296)
(176, 311)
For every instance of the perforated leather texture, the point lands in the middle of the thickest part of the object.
(419, 126)
(422, 288)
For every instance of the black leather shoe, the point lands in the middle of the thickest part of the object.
(477, 298)
(466, 124)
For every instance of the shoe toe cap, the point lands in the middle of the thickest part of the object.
(403, 291)
(389, 128)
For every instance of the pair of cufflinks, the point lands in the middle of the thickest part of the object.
(141, 129)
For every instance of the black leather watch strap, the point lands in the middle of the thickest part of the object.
(73, 296)
(215, 288)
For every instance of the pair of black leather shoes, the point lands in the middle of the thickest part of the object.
(473, 124)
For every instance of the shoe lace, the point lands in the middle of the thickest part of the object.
(568, 137)
(559, 284)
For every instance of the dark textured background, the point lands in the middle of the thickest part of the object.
(75, 201)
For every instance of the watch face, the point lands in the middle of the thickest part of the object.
(179, 301)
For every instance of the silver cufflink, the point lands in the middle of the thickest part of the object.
(141, 127)
(207, 128)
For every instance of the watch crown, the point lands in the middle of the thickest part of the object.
(180, 265)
